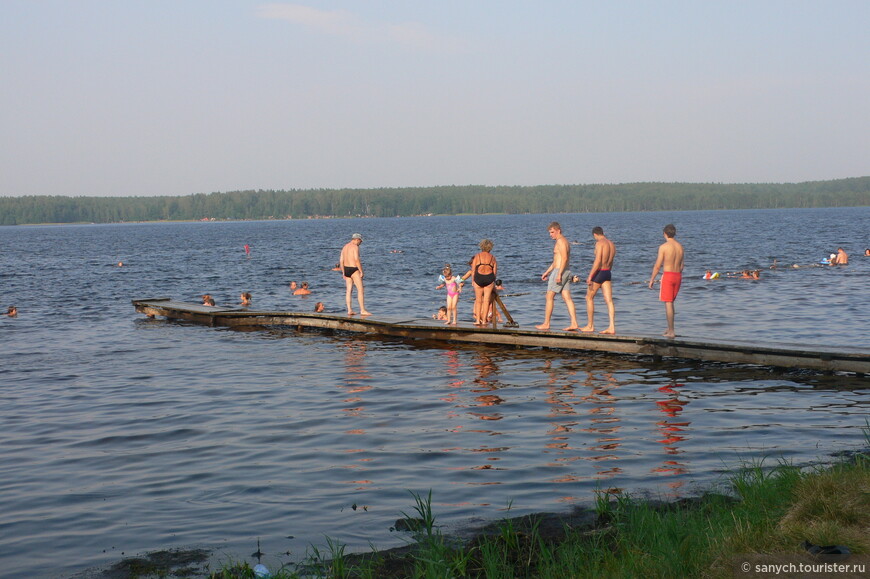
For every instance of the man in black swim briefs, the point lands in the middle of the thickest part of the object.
(599, 278)
(351, 268)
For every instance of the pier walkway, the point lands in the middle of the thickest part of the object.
(788, 356)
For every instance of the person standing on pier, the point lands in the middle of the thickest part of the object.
(483, 272)
(670, 257)
(599, 278)
(351, 270)
(560, 278)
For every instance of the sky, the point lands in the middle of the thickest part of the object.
(175, 97)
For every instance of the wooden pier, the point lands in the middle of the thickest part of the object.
(792, 356)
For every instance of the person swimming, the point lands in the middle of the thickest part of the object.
(842, 256)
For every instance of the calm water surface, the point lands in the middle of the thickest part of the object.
(123, 435)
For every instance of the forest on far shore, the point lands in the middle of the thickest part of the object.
(444, 200)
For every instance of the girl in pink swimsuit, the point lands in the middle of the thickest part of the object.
(454, 288)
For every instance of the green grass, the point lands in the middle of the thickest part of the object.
(768, 510)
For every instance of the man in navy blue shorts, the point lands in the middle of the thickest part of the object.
(599, 278)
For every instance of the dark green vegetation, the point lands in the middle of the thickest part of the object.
(767, 516)
(764, 516)
(450, 200)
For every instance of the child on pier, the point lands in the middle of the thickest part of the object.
(453, 283)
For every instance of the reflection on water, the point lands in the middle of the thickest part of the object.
(355, 382)
(603, 423)
(673, 432)
(485, 385)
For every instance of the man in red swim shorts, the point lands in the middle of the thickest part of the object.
(671, 258)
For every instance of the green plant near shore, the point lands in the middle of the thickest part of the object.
(769, 510)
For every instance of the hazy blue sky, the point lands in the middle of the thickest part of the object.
(172, 97)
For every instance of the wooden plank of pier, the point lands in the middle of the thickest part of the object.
(791, 356)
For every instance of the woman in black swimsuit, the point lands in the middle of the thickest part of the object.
(484, 270)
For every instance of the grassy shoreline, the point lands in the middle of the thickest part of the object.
(766, 516)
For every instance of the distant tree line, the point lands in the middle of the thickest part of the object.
(447, 200)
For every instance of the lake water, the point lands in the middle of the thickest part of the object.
(122, 435)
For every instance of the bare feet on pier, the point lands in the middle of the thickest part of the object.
(587, 329)
(669, 334)
(543, 326)
(571, 328)
(365, 313)
(608, 331)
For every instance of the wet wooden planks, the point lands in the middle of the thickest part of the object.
(789, 356)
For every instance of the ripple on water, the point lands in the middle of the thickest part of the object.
(129, 434)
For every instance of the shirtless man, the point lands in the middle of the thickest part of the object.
(351, 269)
(842, 257)
(671, 257)
(561, 280)
(599, 277)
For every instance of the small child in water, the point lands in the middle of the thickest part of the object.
(245, 298)
(441, 314)
(453, 283)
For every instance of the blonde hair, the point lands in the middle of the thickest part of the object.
(486, 245)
